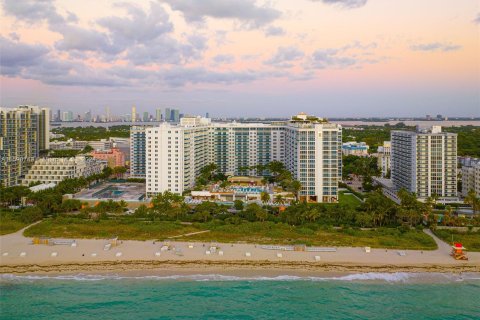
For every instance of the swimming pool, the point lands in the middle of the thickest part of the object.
(247, 189)
(110, 192)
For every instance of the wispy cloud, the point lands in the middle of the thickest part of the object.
(477, 19)
(350, 4)
(285, 56)
(435, 46)
(273, 31)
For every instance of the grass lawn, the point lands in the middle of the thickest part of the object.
(251, 232)
(124, 229)
(314, 235)
(470, 240)
(348, 199)
(10, 225)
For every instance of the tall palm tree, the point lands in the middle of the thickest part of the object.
(279, 199)
(472, 200)
(265, 197)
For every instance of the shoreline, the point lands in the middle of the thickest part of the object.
(231, 267)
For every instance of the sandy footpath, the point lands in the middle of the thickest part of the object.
(18, 255)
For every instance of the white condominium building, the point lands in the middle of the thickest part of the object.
(48, 170)
(308, 146)
(471, 179)
(384, 157)
(425, 162)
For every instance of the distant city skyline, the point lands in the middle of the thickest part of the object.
(332, 58)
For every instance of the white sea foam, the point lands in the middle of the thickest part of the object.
(397, 277)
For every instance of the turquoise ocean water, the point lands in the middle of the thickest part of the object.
(361, 296)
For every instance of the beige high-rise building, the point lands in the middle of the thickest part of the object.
(425, 162)
(384, 157)
(24, 132)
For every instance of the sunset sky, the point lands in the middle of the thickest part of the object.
(332, 58)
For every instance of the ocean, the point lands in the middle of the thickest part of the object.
(357, 296)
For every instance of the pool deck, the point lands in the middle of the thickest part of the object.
(131, 192)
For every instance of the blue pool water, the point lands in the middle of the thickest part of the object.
(248, 189)
(110, 192)
(370, 296)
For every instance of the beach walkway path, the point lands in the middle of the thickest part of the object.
(442, 245)
(188, 234)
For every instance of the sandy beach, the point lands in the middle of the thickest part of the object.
(18, 255)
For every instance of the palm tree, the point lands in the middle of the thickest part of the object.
(265, 197)
(312, 215)
(472, 200)
(279, 199)
(448, 216)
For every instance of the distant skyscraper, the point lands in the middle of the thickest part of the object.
(207, 115)
(107, 114)
(134, 114)
(175, 115)
(168, 114)
(24, 132)
(158, 114)
(59, 117)
(146, 117)
(88, 116)
(67, 116)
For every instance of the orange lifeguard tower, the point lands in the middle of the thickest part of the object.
(458, 251)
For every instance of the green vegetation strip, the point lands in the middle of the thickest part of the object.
(250, 232)
(125, 229)
(10, 225)
(469, 239)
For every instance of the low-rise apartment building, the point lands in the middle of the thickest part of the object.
(54, 170)
(353, 148)
(113, 157)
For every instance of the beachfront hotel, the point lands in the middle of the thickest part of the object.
(425, 162)
(310, 148)
(24, 132)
